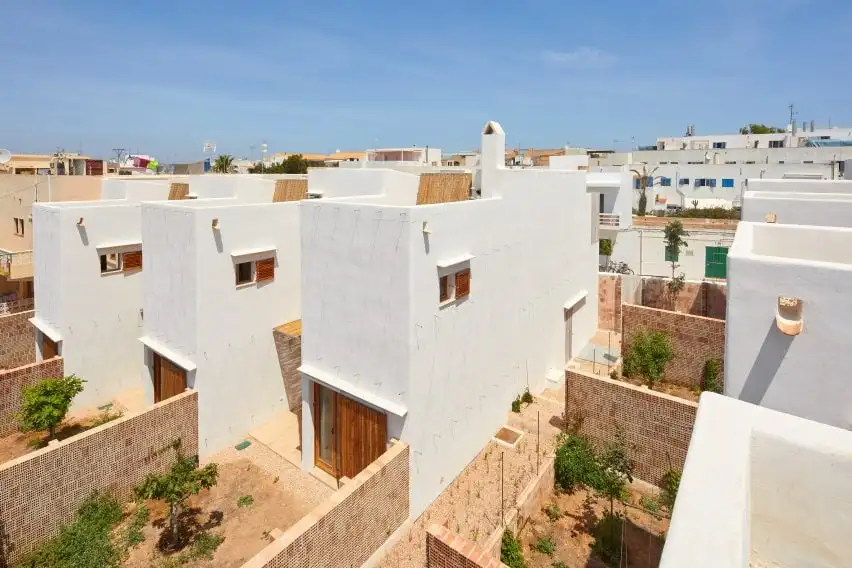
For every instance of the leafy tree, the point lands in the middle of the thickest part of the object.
(605, 247)
(224, 164)
(644, 183)
(575, 464)
(46, 403)
(649, 354)
(671, 484)
(674, 240)
(711, 376)
(616, 468)
(176, 486)
(761, 129)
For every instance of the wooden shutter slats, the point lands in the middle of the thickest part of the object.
(132, 260)
(462, 283)
(265, 269)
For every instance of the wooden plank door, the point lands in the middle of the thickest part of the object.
(169, 379)
(325, 430)
(362, 435)
(49, 350)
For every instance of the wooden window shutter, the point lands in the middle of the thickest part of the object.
(462, 283)
(265, 269)
(132, 260)
(444, 286)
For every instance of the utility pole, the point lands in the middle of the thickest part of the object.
(119, 152)
(793, 113)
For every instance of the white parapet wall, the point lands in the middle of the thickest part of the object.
(789, 208)
(761, 488)
(764, 365)
(799, 185)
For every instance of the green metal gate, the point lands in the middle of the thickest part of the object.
(716, 262)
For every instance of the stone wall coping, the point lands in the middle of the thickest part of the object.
(672, 313)
(5, 372)
(95, 430)
(630, 386)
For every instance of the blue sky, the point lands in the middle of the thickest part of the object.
(315, 77)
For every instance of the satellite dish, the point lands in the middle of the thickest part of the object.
(5, 156)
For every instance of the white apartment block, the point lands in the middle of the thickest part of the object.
(794, 137)
(424, 322)
(413, 155)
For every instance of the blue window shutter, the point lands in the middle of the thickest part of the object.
(727, 182)
(712, 182)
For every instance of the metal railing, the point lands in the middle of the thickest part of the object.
(609, 220)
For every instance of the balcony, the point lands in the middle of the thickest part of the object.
(16, 265)
(609, 220)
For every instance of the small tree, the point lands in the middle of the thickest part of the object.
(695, 204)
(605, 248)
(674, 240)
(649, 355)
(46, 403)
(224, 164)
(176, 486)
(616, 468)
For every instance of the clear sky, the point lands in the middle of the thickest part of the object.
(164, 76)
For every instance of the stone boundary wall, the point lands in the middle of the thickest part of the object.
(349, 526)
(14, 380)
(17, 340)
(657, 426)
(609, 302)
(694, 340)
(704, 298)
(708, 299)
(39, 492)
(447, 550)
(528, 503)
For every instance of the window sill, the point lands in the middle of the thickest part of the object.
(446, 303)
(112, 272)
(245, 285)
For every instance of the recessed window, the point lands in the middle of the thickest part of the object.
(720, 145)
(245, 272)
(454, 286)
(727, 182)
(110, 262)
(19, 226)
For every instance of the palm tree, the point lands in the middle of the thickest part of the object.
(644, 179)
(224, 164)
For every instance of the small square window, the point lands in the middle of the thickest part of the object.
(19, 226)
(110, 262)
(244, 272)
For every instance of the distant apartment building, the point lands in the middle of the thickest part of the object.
(793, 137)
(426, 312)
(413, 155)
(62, 164)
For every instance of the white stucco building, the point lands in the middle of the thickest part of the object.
(761, 488)
(412, 155)
(429, 319)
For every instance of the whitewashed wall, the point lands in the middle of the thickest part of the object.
(226, 331)
(371, 314)
(800, 186)
(644, 250)
(822, 209)
(794, 374)
(97, 315)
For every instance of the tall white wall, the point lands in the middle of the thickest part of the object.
(97, 315)
(793, 374)
(238, 374)
(800, 186)
(397, 187)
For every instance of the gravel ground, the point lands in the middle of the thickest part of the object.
(471, 505)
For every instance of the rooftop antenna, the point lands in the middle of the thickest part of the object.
(119, 152)
(793, 113)
(5, 156)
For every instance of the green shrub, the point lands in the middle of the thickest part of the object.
(706, 213)
(671, 484)
(559, 564)
(607, 534)
(245, 501)
(650, 504)
(545, 545)
(605, 247)
(204, 545)
(134, 534)
(510, 551)
(527, 398)
(45, 404)
(649, 354)
(516, 405)
(575, 463)
(84, 542)
(553, 513)
(711, 382)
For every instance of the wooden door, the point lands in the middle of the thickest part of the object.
(169, 379)
(49, 350)
(348, 436)
(362, 435)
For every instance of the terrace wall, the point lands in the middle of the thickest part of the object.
(17, 340)
(12, 381)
